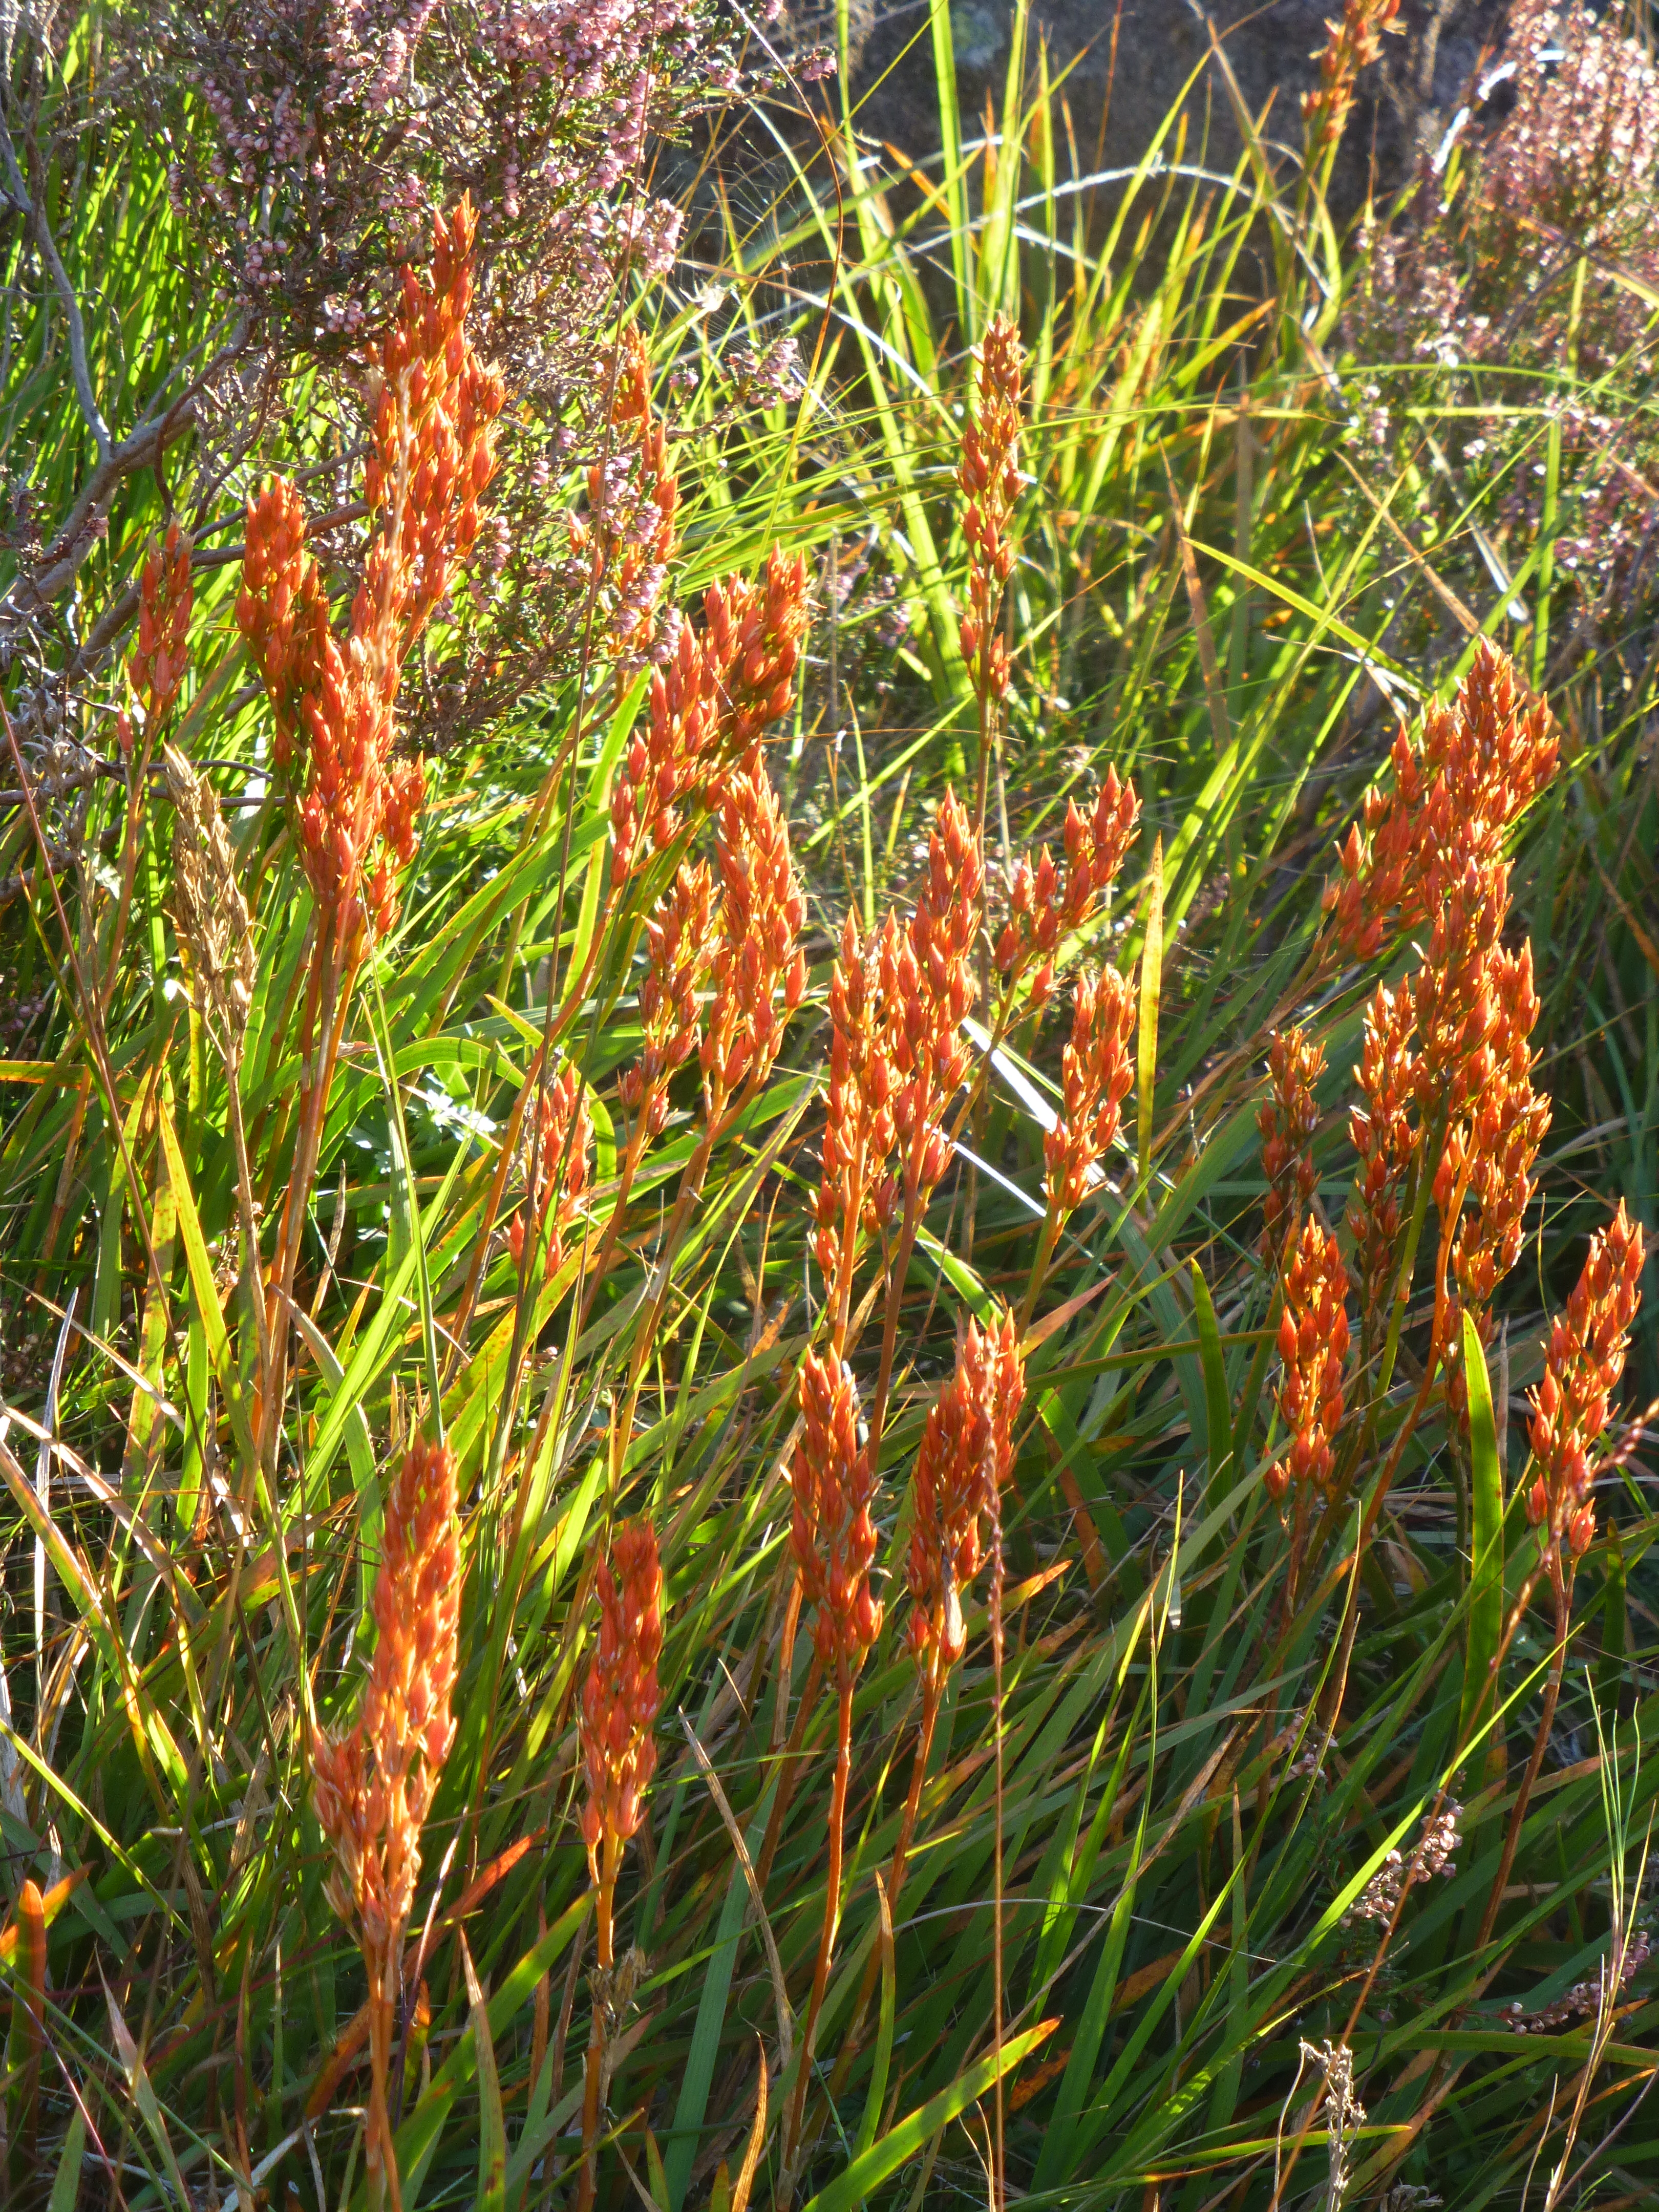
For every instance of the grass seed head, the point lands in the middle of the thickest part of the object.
(209, 909)
(1582, 1368)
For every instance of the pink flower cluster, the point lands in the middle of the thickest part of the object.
(1483, 287)
(336, 121)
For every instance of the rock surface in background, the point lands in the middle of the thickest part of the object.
(1133, 58)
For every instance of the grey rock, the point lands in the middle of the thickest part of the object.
(1130, 62)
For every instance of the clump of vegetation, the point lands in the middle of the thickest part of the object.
(824, 1332)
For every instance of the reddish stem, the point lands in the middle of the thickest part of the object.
(380, 2158)
(1546, 1721)
(791, 1761)
(1000, 2168)
(826, 1945)
(849, 2050)
(593, 2077)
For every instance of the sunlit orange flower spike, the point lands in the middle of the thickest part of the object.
(1456, 792)
(1570, 1405)
(964, 1464)
(833, 1537)
(1044, 909)
(620, 1698)
(1313, 1350)
(1354, 43)
(680, 949)
(373, 1785)
(157, 666)
(989, 480)
(1287, 1121)
(431, 458)
(1097, 1067)
(556, 1174)
(759, 969)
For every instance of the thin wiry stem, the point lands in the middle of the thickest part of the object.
(65, 291)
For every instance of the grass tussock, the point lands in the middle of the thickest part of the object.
(827, 1151)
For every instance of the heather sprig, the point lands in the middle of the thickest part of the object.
(627, 536)
(1481, 290)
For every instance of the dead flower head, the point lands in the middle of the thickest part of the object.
(209, 911)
